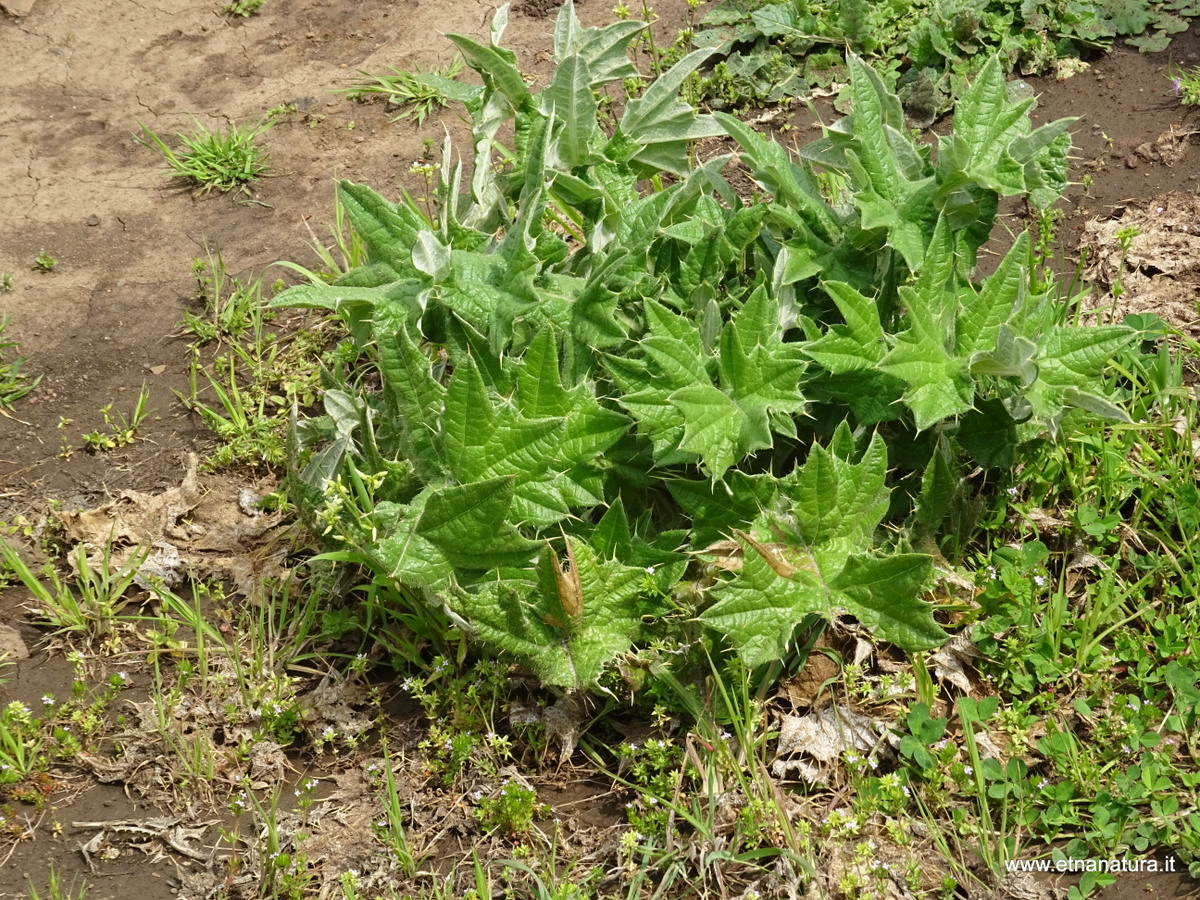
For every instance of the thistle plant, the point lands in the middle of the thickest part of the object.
(602, 412)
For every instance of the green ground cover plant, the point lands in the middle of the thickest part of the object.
(246, 392)
(755, 414)
(1185, 83)
(14, 384)
(415, 94)
(56, 890)
(244, 8)
(664, 444)
(225, 160)
(118, 431)
(928, 50)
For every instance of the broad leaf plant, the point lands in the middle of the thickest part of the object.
(614, 397)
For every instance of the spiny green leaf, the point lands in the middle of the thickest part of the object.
(764, 383)
(540, 392)
(758, 610)
(983, 311)
(838, 501)
(514, 619)
(778, 174)
(495, 65)
(660, 125)
(468, 420)
(712, 426)
(883, 593)
(570, 101)
(454, 527)
(413, 397)
(858, 344)
(715, 507)
(388, 230)
(604, 48)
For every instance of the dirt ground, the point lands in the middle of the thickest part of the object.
(74, 182)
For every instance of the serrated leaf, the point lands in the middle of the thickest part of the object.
(715, 508)
(858, 344)
(540, 392)
(883, 593)
(986, 309)
(451, 527)
(388, 231)
(612, 607)
(820, 563)
(497, 66)
(764, 382)
(891, 194)
(776, 19)
(938, 386)
(995, 146)
(604, 48)
(712, 426)
(571, 103)
(758, 610)
(1073, 355)
(661, 125)
(413, 397)
(939, 484)
(468, 419)
(837, 501)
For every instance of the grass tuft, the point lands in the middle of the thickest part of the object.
(417, 94)
(225, 160)
(14, 384)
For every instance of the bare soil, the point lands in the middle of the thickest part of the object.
(74, 182)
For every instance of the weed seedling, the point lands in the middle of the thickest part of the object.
(91, 608)
(45, 262)
(56, 890)
(231, 307)
(244, 8)
(6, 282)
(225, 160)
(391, 829)
(14, 384)
(417, 94)
(20, 743)
(118, 431)
(511, 810)
(1185, 84)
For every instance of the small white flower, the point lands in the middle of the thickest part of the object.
(968, 770)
